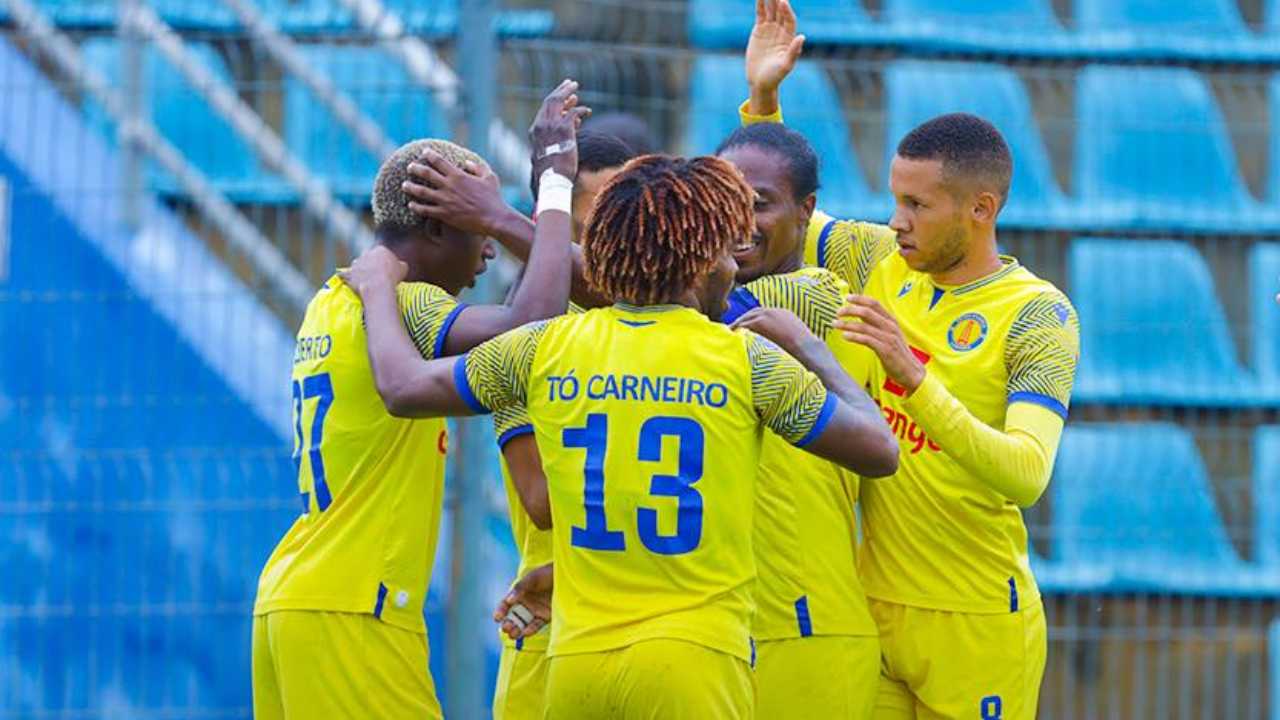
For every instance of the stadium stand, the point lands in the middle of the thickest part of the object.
(1152, 328)
(1018, 27)
(1266, 499)
(1207, 30)
(433, 19)
(727, 23)
(1264, 318)
(809, 104)
(380, 87)
(1153, 153)
(918, 90)
(183, 116)
(1137, 529)
(150, 405)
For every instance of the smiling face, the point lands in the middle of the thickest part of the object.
(777, 245)
(929, 219)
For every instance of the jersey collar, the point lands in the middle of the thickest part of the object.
(648, 309)
(1011, 265)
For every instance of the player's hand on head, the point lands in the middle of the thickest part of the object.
(779, 325)
(526, 608)
(774, 47)
(553, 135)
(468, 199)
(376, 267)
(863, 320)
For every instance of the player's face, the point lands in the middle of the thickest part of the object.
(713, 295)
(778, 242)
(464, 257)
(928, 218)
(585, 188)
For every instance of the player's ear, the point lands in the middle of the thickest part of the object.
(807, 206)
(986, 205)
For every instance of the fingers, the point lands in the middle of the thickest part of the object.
(428, 171)
(797, 47)
(760, 11)
(785, 15)
(747, 319)
(555, 102)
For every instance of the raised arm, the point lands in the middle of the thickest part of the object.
(772, 52)
(544, 291)
(848, 428)
(472, 201)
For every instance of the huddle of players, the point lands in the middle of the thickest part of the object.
(686, 582)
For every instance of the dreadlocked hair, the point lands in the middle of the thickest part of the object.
(662, 223)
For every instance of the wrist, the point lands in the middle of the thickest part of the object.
(506, 224)
(914, 379)
(763, 100)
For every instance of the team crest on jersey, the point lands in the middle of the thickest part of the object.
(967, 332)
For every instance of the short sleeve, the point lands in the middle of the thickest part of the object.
(495, 374)
(813, 295)
(510, 422)
(428, 313)
(789, 399)
(1041, 352)
(848, 248)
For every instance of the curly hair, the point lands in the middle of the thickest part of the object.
(662, 223)
(791, 147)
(392, 217)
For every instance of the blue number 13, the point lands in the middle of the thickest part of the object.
(596, 535)
(320, 388)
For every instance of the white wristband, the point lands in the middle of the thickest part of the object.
(555, 192)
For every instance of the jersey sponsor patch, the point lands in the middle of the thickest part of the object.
(967, 332)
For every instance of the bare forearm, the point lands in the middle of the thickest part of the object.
(515, 232)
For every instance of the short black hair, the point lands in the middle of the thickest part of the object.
(969, 147)
(627, 127)
(790, 146)
(600, 151)
(596, 151)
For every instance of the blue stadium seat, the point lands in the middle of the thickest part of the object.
(181, 14)
(718, 24)
(810, 105)
(1152, 152)
(432, 19)
(1152, 329)
(919, 90)
(1135, 500)
(187, 121)
(1192, 29)
(1266, 500)
(1264, 320)
(1006, 26)
(381, 87)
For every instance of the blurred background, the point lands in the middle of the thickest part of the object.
(177, 176)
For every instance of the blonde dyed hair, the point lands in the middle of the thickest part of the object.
(391, 213)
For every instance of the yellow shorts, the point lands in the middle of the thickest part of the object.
(312, 664)
(522, 685)
(957, 665)
(651, 680)
(817, 677)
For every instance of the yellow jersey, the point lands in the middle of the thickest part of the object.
(649, 421)
(371, 485)
(806, 535)
(934, 535)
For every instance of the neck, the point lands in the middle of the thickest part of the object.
(981, 260)
(405, 251)
(791, 263)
